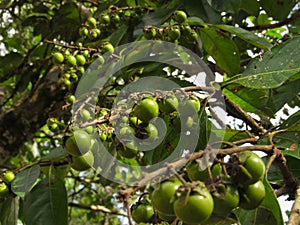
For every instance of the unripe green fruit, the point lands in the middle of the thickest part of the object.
(92, 22)
(71, 99)
(79, 143)
(57, 58)
(252, 196)
(54, 127)
(71, 60)
(83, 162)
(150, 33)
(80, 60)
(108, 47)
(105, 19)
(142, 213)
(146, 109)
(3, 189)
(85, 114)
(174, 34)
(83, 32)
(116, 19)
(168, 104)
(180, 16)
(8, 177)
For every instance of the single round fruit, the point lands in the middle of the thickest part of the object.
(108, 47)
(80, 60)
(71, 60)
(58, 58)
(92, 22)
(252, 195)
(254, 165)
(79, 143)
(168, 104)
(180, 16)
(54, 127)
(225, 199)
(116, 19)
(83, 162)
(8, 176)
(85, 114)
(195, 208)
(83, 32)
(195, 174)
(3, 189)
(152, 131)
(146, 109)
(194, 102)
(168, 218)
(174, 34)
(70, 99)
(150, 33)
(162, 196)
(105, 18)
(142, 213)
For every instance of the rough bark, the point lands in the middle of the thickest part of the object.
(20, 123)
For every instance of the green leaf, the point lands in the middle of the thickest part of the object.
(292, 123)
(9, 211)
(222, 48)
(56, 154)
(246, 36)
(193, 20)
(25, 180)
(293, 164)
(268, 212)
(250, 6)
(274, 68)
(278, 9)
(10, 62)
(46, 204)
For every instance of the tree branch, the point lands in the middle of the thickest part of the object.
(295, 213)
(99, 208)
(295, 16)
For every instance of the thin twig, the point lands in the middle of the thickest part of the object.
(99, 208)
(295, 213)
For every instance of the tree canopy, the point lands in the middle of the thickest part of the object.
(143, 112)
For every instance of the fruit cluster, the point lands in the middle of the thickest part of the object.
(141, 130)
(5, 180)
(176, 30)
(209, 195)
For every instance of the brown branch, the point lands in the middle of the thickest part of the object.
(99, 208)
(238, 112)
(295, 16)
(294, 218)
(183, 161)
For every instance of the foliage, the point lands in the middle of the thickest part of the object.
(51, 53)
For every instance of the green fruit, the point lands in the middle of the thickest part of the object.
(194, 102)
(54, 127)
(8, 177)
(83, 32)
(254, 165)
(195, 174)
(195, 208)
(174, 34)
(116, 19)
(71, 60)
(94, 33)
(3, 190)
(146, 109)
(150, 33)
(142, 213)
(180, 16)
(92, 22)
(79, 143)
(80, 60)
(168, 218)
(85, 114)
(105, 19)
(168, 104)
(163, 195)
(58, 58)
(252, 195)
(108, 47)
(225, 199)
(152, 131)
(83, 162)
(70, 99)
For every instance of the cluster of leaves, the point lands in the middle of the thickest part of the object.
(48, 46)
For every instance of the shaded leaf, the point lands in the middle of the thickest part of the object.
(9, 211)
(278, 9)
(25, 180)
(46, 204)
(274, 68)
(222, 48)
(10, 62)
(246, 36)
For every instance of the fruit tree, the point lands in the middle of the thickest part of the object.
(149, 112)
